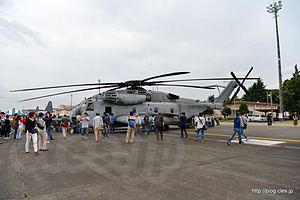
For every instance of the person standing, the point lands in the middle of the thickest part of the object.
(98, 126)
(64, 125)
(146, 124)
(14, 129)
(151, 122)
(7, 128)
(244, 122)
(106, 122)
(183, 124)
(295, 118)
(42, 133)
(31, 133)
(2, 123)
(236, 129)
(200, 121)
(21, 120)
(85, 126)
(159, 124)
(78, 123)
(131, 126)
(138, 125)
(217, 120)
(112, 123)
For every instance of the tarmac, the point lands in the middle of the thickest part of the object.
(265, 167)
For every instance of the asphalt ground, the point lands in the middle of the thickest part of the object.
(174, 168)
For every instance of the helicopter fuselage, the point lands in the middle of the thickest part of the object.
(141, 101)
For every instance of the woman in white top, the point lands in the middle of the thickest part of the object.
(200, 122)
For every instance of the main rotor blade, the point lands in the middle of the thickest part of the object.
(60, 93)
(62, 86)
(198, 79)
(165, 75)
(190, 86)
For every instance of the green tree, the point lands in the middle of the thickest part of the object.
(226, 111)
(211, 98)
(257, 92)
(208, 111)
(243, 107)
(296, 71)
(291, 93)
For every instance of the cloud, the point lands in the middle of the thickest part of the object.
(19, 33)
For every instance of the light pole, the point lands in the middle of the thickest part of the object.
(274, 8)
(71, 101)
(99, 80)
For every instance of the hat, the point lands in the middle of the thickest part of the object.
(238, 114)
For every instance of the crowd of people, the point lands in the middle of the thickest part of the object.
(29, 125)
(41, 125)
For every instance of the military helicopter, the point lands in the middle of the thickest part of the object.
(139, 100)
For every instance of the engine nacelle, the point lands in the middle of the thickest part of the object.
(124, 99)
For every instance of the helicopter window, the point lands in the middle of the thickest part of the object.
(156, 110)
(82, 105)
(172, 110)
(90, 107)
(134, 110)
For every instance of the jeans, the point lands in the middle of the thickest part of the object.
(236, 130)
(105, 134)
(78, 129)
(152, 126)
(49, 132)
(202, 131)
(19, 131)
(183, 129)
(218, 123)
(85, 130)
(15, 133)
(112, 127)
(147, 129)
(242, 132)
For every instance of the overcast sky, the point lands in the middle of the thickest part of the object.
(45, 43)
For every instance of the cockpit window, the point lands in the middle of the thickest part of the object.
(90, 107)
(82, 105)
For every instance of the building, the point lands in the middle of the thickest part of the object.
(63, 110)
(255, 108)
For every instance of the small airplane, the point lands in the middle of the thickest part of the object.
(139, 100)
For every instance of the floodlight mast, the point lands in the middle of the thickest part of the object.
(274, 8)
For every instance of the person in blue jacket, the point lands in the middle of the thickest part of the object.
(236, 129)
(183, 124)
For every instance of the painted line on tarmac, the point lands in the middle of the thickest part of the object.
(259, 138)
(261, 143)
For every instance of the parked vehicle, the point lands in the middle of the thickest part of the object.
(257, 118)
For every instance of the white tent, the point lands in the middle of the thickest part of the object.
(13, 111)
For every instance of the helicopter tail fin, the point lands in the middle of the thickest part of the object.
(223, 97)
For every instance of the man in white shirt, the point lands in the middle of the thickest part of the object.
(200, 121)
(98, 126)
(138, 124)
(85, 126)
(131, 120)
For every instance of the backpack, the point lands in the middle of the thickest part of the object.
(113, 119)
(132, 123)
(151, 120)
(64, 124)
(158, 120)
(15, 124)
